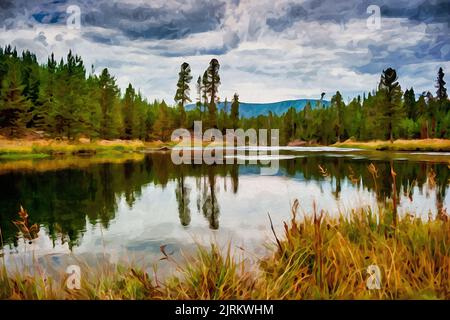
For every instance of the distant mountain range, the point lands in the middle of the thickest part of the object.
(248, 110)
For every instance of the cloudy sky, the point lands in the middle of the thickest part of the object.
(268, 50)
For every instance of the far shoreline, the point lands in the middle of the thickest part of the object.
(421, 145)
(18, 149)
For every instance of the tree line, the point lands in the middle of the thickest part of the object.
(386, 113)
(61, 100)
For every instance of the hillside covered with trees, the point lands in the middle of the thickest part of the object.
(61, 100)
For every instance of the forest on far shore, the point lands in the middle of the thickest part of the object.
(61, 100)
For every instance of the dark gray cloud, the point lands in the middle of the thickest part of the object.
(293, 12)
(167, 22)
(342, 11)
(425, 11)
(171, 20)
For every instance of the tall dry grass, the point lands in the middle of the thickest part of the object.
(317, 257)
(22, 148)
(399, 145)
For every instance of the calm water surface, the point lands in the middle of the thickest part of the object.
(126, 208)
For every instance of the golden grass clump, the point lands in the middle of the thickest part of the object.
(12, 149)
(399, 145)
(327, 258)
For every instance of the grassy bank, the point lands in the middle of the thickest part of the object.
(42, 148)
(317, 257)
(21, 149)
(399, 145)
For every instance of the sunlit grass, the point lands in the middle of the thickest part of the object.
(318, 257)
(20, 149)
(399, 145)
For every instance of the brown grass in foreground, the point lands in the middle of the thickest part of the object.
(318, 257)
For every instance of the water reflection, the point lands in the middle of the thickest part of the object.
(68, 202)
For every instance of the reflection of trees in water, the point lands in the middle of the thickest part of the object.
(234, 174)
(210, 206)
(182, 193)
(198, 185)
(408, 175)
(62, 200)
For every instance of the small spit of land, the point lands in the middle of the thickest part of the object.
(430, 145)
(14, 149)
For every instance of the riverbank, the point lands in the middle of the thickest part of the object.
(317, 257)
(23, 149)
(423, 145)
(20, 149)
(28, 149)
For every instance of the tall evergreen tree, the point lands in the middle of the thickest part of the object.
(443, 104)
(43, 113)
(224, 116)
(352, 119)
(182, 93)
(410, 103)
(31, 79)
(234, 113)
(199, 94)
(70, 111)
(441, 92)
(140, 118)
(212, 89)
(392, 109)
(110, 118)
(129, 112)
(14, 105)
(163, 124)
(205, 92)
(336, 102)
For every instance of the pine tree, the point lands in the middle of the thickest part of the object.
(140, 117)
(289, 126)
(443, 105)
(92, 113)
(392, 109)
(14, 106)
(234, 113)
(71, 111)
(225, 115)
(110, 118)
(336, 102)
(212, 89)
(163, 124)
(352, 119)
(423, 117)
(199, 95)
(43, 116)
(410, 103)
(128, 113)
(441, 93)
(182, 93)
(30, 77)
(205, 91)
